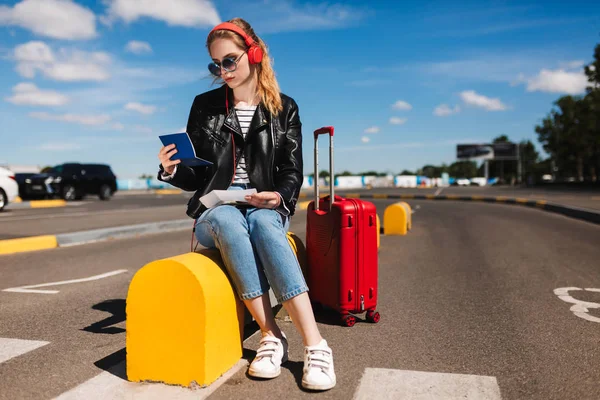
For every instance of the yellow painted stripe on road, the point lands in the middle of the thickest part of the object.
(47, 203)
(380, 196)
(352, 195)
(540, 203)
(10, 246)
(430, 196)
(452, 197)
(501, 199)
(407, 196)
(521, 200)
(168, 191)
(18, 200)
(477, 198)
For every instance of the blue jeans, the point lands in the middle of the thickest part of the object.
(254, 249)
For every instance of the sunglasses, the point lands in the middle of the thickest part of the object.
(229, 64)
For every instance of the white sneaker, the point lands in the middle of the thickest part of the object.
(318, 367)
(269, 356)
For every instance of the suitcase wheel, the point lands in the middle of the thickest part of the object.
(373, 316)
(349, 320)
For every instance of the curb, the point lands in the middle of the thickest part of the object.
(568, 211)
(37, 204)
(19, 245)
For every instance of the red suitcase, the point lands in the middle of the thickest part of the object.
(341, 245)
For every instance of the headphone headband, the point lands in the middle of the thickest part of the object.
(234, 28)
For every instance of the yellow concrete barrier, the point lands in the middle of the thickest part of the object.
(168, 191)
(10, 246)
(397, 219)
(47, 203)
(185, 322)
(378, 231)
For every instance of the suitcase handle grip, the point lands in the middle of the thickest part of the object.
(324, 130)
(321, 131)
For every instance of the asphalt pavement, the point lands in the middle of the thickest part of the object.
(470, 290)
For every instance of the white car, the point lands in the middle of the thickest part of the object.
(9, 189)
(463, 182)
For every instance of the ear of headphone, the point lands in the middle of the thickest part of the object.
(255, 52)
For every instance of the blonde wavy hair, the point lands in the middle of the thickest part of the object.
(268, 88)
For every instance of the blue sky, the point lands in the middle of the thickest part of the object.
(401, 82)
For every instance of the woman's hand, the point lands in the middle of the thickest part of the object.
(164, 155)
(269, 200)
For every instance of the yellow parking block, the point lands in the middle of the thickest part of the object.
(19, 245)
(168, 191)
(380, 196)
(501, 199)
(452, 197)
(378, 231)
(540, 203)
(303, 205)
(521, 200)
(18, 199)
(185, 322)
(397, 219)
(352, 195)
(477, 198)
(47, 203)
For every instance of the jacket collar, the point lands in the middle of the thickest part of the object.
(259, 119)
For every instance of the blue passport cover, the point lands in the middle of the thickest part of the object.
(185, 149)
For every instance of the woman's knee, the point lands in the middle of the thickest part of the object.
(263, 221)
(226, 219)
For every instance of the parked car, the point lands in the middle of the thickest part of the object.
(72, 181)
(9, 189)
(20, 177)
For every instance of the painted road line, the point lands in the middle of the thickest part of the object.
(106, 385)
(168, 191)
(580, 308)
(10, 246)
(303, 205)
(439, 191)
(32, 288)
(47, 203)
(389, 384)
(11, 348)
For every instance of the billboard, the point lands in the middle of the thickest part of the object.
(487, 151)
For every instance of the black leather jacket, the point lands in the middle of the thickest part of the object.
(272, 149)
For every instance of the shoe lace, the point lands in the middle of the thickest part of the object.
(319, 358)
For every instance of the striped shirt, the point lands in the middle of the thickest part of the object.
(244, 115)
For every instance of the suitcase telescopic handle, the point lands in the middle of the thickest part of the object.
(318, 132)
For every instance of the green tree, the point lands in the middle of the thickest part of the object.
(47, 168)
(463, 169)
(407, 172)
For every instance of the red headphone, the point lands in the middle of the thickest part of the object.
(255, 52)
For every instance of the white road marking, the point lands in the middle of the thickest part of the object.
(391, 384)
(414, 210)
(108, 386)
(10, 348)
(31, 288)
(437, 192)
(580, 308)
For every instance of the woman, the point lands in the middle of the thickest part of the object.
(252, 134)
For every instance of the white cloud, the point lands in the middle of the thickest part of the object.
(189, 13)
(365, 139)
(572, 64)
(558, 81)
(401, 105)
(397, 121)
(66, 65)
(28, 94)
(117, 126)
(473, 99)
(141, 108)
(290, 15)
(137, 47)
(73, 118)
(56, 146)
(372, 129)
(58, 19)
(443, 110)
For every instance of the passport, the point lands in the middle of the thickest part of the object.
(185, 149)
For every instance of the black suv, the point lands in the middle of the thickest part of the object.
(72, 181)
